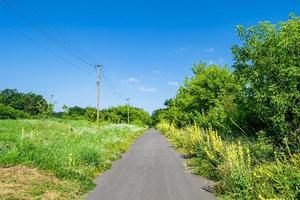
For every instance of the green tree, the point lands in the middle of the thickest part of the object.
(118, 114)
(30, 103)
(91, 114)
(267, 65)
(208, 99)
(7, 112)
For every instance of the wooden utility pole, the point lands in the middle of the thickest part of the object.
(128, 105)
(98, 94)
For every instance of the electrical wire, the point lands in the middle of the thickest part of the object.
(50, 51)
(45, 34)
(65, 44)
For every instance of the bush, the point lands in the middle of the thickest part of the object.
(7, 112)
(267, 65)
(279, 179)
(117, 114)
(261, 94)
(237, 165)
(206, 99)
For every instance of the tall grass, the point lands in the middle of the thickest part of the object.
(74, 150)
(243, 169)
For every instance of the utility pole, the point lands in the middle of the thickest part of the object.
(128, 105)
(98, 94)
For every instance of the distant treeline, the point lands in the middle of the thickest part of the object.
(260, 93)
(15, 104)
(19, 105)
(117, 114)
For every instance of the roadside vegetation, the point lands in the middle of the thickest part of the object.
(56, 155)
(72, 152)
(242, 168)
(240, 125)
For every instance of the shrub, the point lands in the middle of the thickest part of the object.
(279, 179)
(7, 112)
(237, 164)
(267, 65)
(206, 99)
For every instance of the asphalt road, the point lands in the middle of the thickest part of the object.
(150, 170)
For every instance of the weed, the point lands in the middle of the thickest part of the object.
(243, 169)
(71, 150)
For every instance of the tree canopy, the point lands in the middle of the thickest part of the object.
(267, 66)
(261, 92)
(29, 103)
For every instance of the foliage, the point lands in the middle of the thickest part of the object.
(7, 112)
(73, 150)
(235, 164)
(261, 94)
(206, 99)
(267, 65)
(255, 109)
(78, 113)
(117, 114)
(29, 103)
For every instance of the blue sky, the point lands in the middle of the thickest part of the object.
(146, 47)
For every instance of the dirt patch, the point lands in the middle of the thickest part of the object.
(22, 182)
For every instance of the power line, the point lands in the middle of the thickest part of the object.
(63, 39)
(65, 44)
(112, 88)
(50, 51)
(45, 34)
(109, 83)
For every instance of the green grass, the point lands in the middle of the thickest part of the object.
(71, 150)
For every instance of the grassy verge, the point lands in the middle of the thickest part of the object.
(243, 169)
(73, 151)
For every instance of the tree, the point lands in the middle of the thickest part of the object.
(267, 65)
(7, 112)
(118, 114)
(206, 99)
(30, 103)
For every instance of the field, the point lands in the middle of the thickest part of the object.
(57, 159)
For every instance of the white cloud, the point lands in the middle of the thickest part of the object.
(132, 80)
(173, 83)
(182, 50)
(156, 71)
(146, 89)
(211, 62)
(209, 50)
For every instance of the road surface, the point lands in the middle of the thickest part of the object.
(150, 170)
